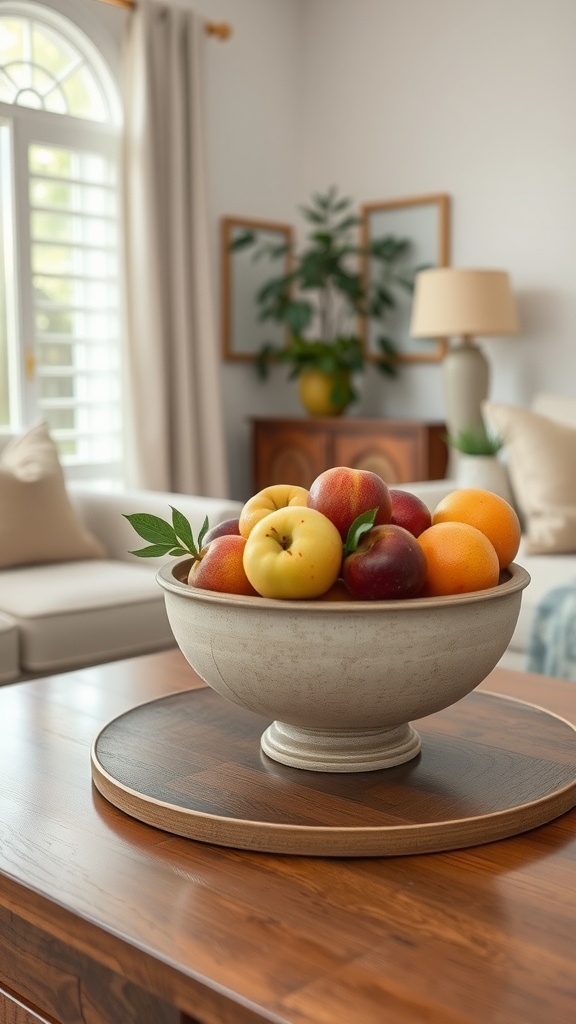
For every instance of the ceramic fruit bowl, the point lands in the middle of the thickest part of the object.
(342, 680)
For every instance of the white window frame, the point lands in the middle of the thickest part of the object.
(28, 126)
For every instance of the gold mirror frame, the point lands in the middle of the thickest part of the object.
(241, 277)
(425, 220)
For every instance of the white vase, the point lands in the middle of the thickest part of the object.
(485, 471)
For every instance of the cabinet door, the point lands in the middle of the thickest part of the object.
(288, 455)
(396, 458)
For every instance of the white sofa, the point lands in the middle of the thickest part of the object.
(56, 616)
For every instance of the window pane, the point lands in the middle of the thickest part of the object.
(12, 39)
(54, 354)
(56, 387)
(57, 321)
(61, 259)
(70, 272)
(52, 51)
(83, 95)
(60, 419)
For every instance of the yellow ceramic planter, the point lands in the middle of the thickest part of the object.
(315, 392)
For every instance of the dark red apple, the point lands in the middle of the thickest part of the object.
(223, 529)
(388, 563)
(409, 511)
(342, 494)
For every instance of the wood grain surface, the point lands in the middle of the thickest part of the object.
(191, 764)
(107, 919)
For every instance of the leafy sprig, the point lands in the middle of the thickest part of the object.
(166, 538)
(358, 528)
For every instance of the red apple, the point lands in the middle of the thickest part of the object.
(409, 511)
(223, 529)
(342, 494)
(220, 566)
(385, 565)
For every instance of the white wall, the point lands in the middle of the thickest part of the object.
(475, 99)
(385, 99)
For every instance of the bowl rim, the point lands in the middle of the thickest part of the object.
(518, 579)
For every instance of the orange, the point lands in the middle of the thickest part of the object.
(489, 513)
(459, 559)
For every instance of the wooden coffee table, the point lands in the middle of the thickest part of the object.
(106, 919)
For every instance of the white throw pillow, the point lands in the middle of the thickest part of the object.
(541, 458)
(37, 520)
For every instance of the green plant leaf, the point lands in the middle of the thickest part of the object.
(475, 442)
(166, 539)
(358, 528)
(182, 528)
(153, 551)
(152, 528)
(243, 240)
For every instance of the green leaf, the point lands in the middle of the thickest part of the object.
(166, 539)
(182, 529)
(359, 527)
(242, 241)
(475, 442)
(203, 531)
(153, 551)
(152, 528)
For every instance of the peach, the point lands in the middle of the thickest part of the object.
(220, 566)
(342, 494)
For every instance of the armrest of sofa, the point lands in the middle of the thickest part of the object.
(429, 491)
(103, 514)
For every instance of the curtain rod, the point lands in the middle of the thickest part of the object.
(220, 29)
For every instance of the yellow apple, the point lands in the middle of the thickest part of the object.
(268, 500)
(294, 553)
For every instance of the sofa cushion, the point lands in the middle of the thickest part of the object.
(83, 612)
(541, 457)
(9, 650)
(37, 520)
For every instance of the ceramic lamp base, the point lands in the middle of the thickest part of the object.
(340, 750)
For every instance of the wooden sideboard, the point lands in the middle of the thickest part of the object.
(296, 451)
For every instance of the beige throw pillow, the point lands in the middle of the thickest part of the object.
(541, 458)
(37, 520)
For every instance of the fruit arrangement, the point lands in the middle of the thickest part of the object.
(349, 537)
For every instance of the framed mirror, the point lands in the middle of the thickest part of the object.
(424, 221)
(242, 277)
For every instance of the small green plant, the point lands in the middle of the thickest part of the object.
(475, 442)
(166, 538)
(322, 295)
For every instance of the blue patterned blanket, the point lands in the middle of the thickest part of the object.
(552, 641)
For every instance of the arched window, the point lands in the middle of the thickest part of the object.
(60, 275)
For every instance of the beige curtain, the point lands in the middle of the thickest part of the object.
(175, 422)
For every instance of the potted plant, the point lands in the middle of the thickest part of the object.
(320, 298)
(478, 463)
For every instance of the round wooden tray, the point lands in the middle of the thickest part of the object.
(191, 764)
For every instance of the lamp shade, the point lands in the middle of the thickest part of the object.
(450, 302)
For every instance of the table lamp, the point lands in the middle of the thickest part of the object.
(450, 302)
